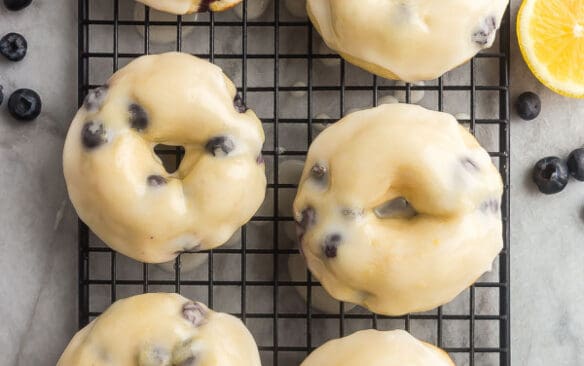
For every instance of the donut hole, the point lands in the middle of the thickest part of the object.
(170, 156)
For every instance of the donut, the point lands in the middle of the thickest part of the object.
(120, 187)
(398, 209)
(159, 329)
(410, 40)
(376, 348)
(182, 7)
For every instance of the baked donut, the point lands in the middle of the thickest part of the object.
(409, 40)
(190, 6)
(119, 186)
(377, 348)
(398, 209)
(159, 329)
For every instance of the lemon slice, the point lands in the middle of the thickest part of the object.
(551, 39)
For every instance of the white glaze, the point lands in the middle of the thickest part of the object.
(299, 93)
(154, 323)
(188, 101)
(399, 265)
(377, 348)
(407, 39)
(416, 96)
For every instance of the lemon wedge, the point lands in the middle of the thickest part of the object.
(551, 39)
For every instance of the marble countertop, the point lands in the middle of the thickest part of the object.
(38, 285)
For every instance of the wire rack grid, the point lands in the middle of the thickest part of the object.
(301, 87)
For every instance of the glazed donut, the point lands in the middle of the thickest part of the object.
(119, 186)
(410, 40)
(161, 330)
(190, 6)
(398, 209)
(377, 348)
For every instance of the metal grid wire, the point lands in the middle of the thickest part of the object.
(261, 301)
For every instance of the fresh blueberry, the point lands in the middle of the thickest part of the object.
(238, 104)
(93, 134)
(220, 146)
(24, 105)
(318, 171)
(550, 175)
(528, 106)
(13, 46)
(1, 94)
(15, 5)
(576, 164)
(194, 313)
(156, 180)
(138, 117)
(331, 243)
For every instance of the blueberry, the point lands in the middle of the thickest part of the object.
(318, 171)
(156, 180)
(16, 4)
(95, 98)
(331, 243)
(1, 94)
(576, 164)
(528, 106)
(482, 35)
(93, 134)
(238, 104)
(307, 219)
(220, 146)
(138, 117)
(194, 313)
(491, 205)
(13, 46)
(24, 105)
(470, 164)
(204, 5)
(550, 175)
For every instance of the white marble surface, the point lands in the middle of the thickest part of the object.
(38, 282)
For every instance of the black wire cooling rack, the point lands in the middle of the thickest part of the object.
(474, 329)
